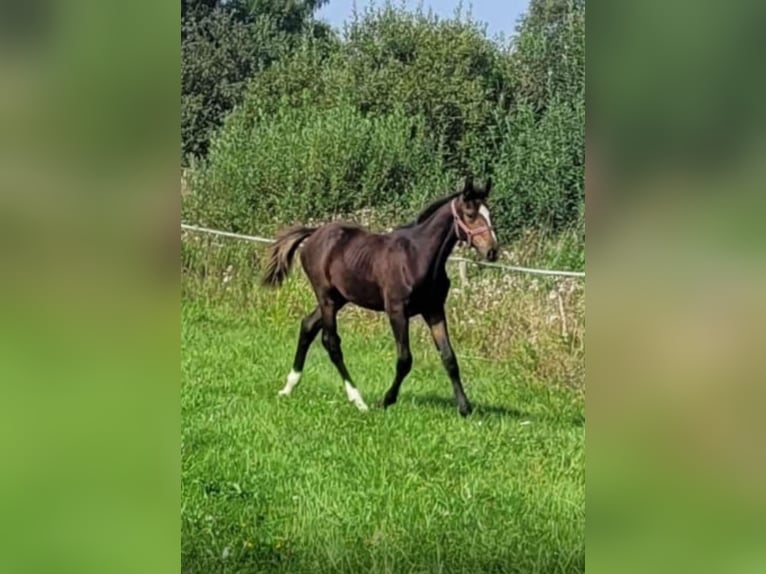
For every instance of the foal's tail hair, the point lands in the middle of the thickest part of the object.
(281, 253)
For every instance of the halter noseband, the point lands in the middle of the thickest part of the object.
(460, 225)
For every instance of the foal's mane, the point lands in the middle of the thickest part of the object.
(429, 210)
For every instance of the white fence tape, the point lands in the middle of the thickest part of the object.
(226, 234)
(531, 270)
(522, 269)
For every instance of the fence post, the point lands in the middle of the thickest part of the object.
(462, 270)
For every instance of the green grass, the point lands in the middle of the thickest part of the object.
(309, 484)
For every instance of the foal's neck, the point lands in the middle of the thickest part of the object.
(438, 239)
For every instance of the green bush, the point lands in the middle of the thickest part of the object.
(301, 162)
(540, 169)
(398, 111)
(223, 44)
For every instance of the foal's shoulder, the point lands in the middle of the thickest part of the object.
(398, 242)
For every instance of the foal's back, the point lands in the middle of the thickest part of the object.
(362, 267)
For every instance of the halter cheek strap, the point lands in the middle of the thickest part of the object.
(461, 226)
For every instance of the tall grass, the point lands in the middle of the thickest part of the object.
(535, 325)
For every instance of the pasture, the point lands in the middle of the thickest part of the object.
(307, 483)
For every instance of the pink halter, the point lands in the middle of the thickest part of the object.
(460, 225)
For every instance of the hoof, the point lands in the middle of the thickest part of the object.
(361, 406)
(386, 402)
(465, 409)
(355, 397)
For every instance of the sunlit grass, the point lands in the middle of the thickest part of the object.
(309, 484)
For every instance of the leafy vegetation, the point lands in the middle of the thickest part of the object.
(398, 109)
(223, 44)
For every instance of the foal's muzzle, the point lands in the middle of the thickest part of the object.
(492, 254)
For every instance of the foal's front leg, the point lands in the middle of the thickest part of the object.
(401, 327)
(437, 321)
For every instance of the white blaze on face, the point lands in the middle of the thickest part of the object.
(484, 212)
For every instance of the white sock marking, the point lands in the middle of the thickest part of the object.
(292, 379)
(484, 212)
(355, 396)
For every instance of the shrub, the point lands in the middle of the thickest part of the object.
(301, 162)
(223, 44)
(397, 112)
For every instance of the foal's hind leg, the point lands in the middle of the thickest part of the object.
(331, 342)
(310, 326)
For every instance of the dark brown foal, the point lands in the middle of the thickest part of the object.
(402, 273)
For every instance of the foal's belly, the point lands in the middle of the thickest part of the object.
(362, 293)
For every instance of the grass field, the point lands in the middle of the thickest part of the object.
(309, 484)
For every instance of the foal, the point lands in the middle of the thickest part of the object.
(401, 272)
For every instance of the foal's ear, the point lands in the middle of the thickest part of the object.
(467, 188)
(488, 186)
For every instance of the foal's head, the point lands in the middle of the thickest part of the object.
(472, 221)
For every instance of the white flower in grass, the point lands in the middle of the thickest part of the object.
(227, 275)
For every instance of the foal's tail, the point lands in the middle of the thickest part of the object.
(281, 253)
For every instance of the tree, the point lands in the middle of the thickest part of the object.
(223, 44)
(549, 55)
